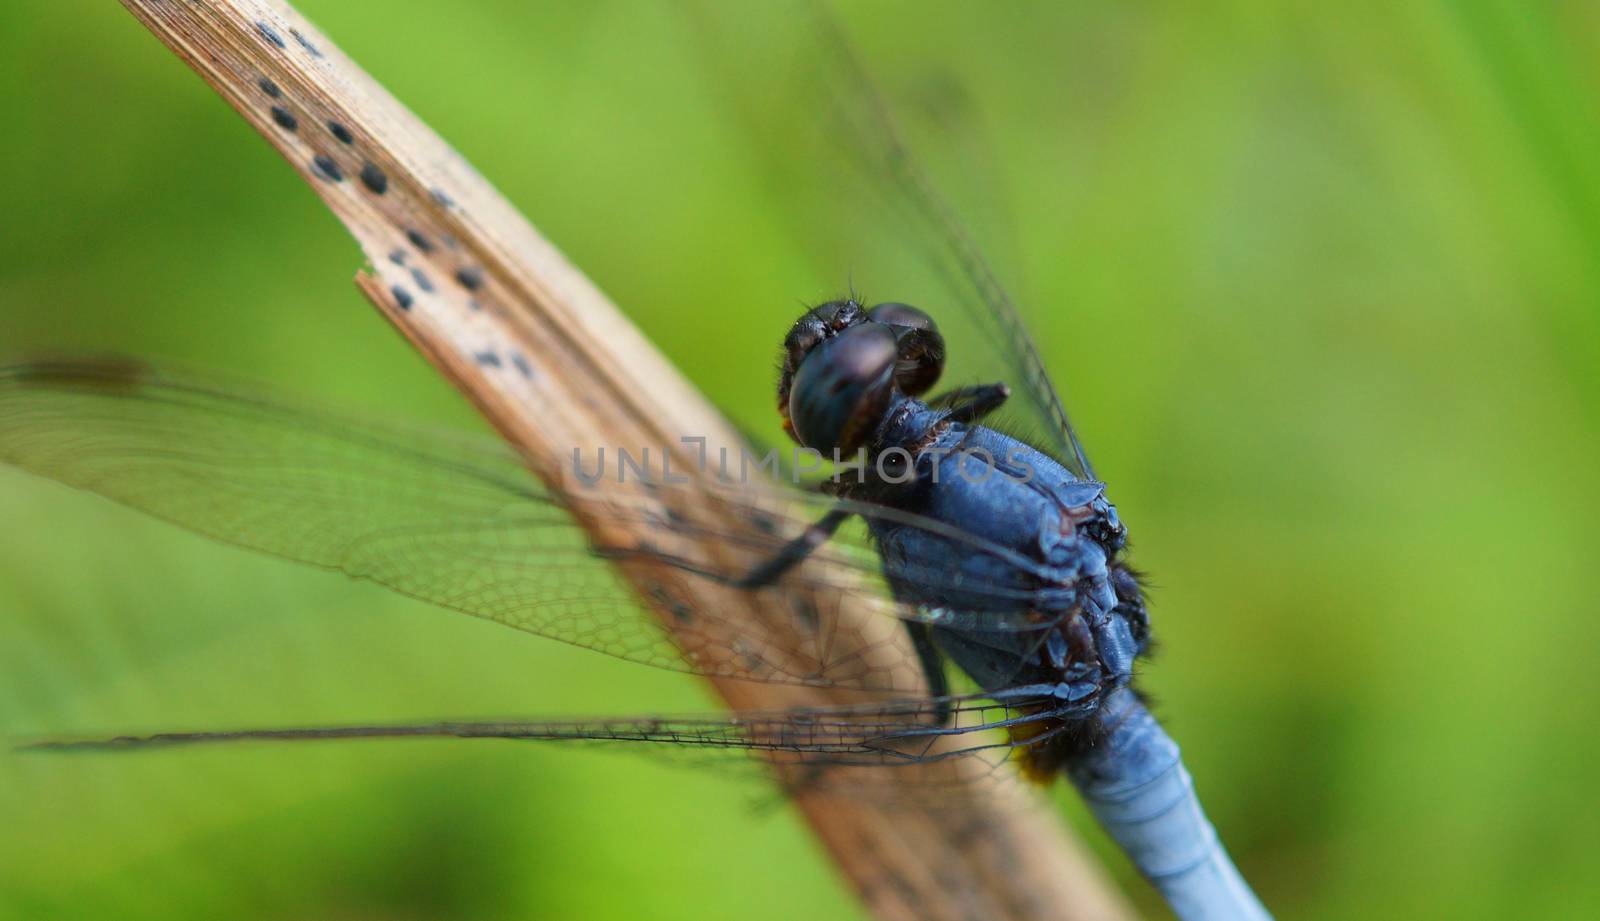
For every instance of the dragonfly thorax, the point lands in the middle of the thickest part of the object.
(1029, 552)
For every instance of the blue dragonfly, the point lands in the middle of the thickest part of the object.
(1001, 558)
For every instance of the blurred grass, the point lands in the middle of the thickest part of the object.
(1320, 282)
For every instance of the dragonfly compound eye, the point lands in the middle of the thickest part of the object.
(843, 388)
(818, 325)
(921, 348)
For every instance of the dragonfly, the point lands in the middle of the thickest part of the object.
(1000, 558)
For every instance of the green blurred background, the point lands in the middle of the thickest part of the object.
(1321, 282)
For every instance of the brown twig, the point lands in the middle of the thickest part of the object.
(553, 364)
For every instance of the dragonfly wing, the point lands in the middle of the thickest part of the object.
(864, 203)
(455, 521)
(953, 740)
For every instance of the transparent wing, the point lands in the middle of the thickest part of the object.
(964, 736)
(451, 520)
(864, 203)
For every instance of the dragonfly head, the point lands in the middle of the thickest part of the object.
(843, 364)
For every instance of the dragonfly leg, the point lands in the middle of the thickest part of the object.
(969, 404)
(794, 551)
(763, 575)
(932, 662)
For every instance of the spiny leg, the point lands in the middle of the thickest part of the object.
(932, 663)
(763, 575)
(794, 551)
(969, 404)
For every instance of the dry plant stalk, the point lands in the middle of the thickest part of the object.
(553, 364)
